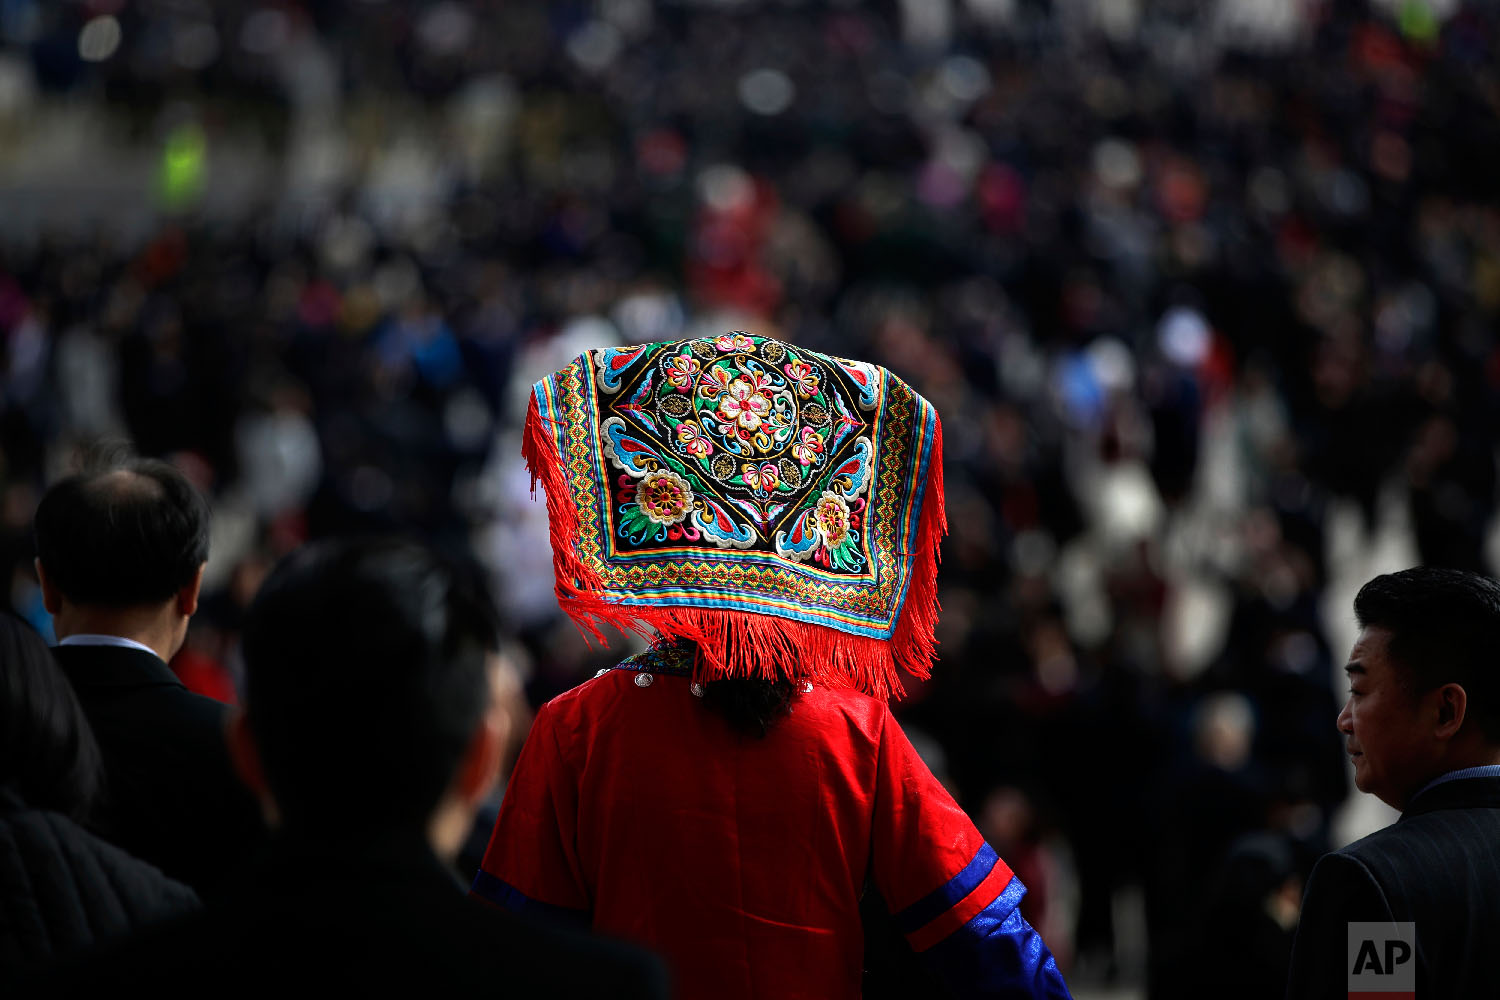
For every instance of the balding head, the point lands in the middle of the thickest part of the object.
(129, 535)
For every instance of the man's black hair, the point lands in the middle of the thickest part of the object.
(1445, 628)
(47, 751)
(365, 681)
(124, 534)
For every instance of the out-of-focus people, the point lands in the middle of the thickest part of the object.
(1170, 268)
(62, 889)
(121, 549)
(1240, 943)
(373, 727)
(1422, 724)
(774, 514)
(1213, 798)
(1010, 824)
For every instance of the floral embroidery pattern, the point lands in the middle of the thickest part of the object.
(742, 472)
(693, 441)
(734, 342)
(837, 527)
(808, 446)
(744, 403)
(803, 377)
(763, 479)
(681, 371)
(665, 498)
(652, 508)
(746, 426)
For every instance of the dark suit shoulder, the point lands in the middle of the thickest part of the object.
(63, 889)
(1438, 868)
(132, 695)
(1434, 852)
(1341, 889)
(171, 795)
(378, 926)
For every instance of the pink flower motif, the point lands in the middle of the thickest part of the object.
(807, 446)
(803, 377)
(681, 370)
(693, 440)
(717, 381)
(734, 342)
(763, 478)
(744, 404)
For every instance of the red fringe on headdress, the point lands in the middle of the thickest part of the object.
(742, 644)
(578, 584)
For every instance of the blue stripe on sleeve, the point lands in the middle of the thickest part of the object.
(508, 897)
(930, 906)
(998, 954)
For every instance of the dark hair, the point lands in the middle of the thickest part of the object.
(1445, 627)
(122, 534)
(1255, 865)
(365, 680)
(47, 750)
(750, 704)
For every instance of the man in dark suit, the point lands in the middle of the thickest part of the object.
(1422, 725)
(374, 727)
(120, 553)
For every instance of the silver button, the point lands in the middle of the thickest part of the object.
(644, 680)
(602, 672)
(698, 689)
(807, 687)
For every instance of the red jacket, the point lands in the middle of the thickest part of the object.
(741, 859)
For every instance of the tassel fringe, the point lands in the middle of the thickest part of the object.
(578, 584)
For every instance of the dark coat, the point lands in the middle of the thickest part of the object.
(381, 918)
(171, 795)
(62, 889)
(1439, 866)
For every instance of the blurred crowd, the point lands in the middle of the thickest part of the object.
(1205, 293)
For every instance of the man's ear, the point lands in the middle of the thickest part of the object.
(244, 754)
(187, 597)
(51, 596)
(1452, 707)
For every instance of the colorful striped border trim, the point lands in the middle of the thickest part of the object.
(997, 953)
(941, 899)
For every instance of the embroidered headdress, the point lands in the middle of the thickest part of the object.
(780, 508)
